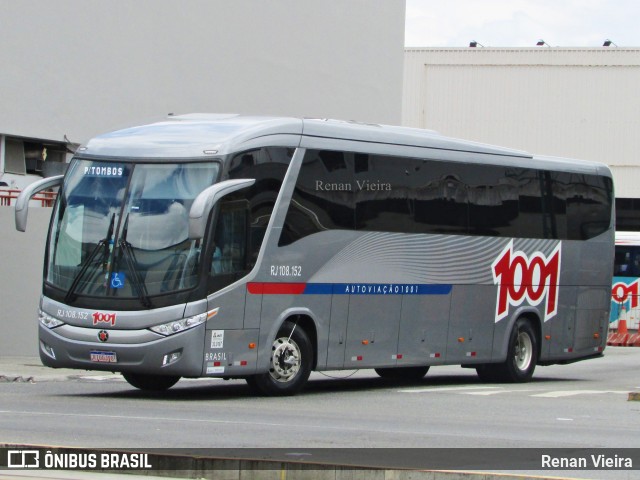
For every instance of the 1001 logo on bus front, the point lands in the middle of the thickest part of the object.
(520, 277)
(104, 317)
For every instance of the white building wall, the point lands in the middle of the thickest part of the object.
(83, 67)
(572, 102)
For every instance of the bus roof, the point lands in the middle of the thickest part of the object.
(188, 136)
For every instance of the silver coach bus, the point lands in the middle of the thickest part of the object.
(265, 248)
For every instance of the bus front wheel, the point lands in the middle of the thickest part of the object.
(152, 383)
(289, 365)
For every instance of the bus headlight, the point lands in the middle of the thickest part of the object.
(48, 321)
(181, 325)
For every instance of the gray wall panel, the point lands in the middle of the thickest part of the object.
(82, 67)
(21, 281)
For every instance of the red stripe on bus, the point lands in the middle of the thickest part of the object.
(262, 288)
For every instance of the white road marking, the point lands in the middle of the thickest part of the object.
(571, 393)
(442, 389)
(102, 378)
(495, 392)
(489, 390)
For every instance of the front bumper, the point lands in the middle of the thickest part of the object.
(138, 351)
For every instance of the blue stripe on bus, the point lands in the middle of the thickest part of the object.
(375, 289)
(282, 288)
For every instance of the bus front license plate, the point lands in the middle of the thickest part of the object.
(103, 357)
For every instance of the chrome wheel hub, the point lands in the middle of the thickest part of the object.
(285, 359)
(523, 351)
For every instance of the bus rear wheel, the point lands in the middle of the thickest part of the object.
(522, 357)
(403, 374)
(290, 363)
(151, 383)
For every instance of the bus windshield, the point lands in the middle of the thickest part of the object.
(120, 229)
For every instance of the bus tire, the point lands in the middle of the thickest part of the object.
(289, 365)
(151, 383)
(403, 374)
(522, 357)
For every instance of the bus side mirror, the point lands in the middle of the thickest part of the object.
(205, 201)
(22, 202)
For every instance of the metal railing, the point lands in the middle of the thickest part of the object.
(8, 197)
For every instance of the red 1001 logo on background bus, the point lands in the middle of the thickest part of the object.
(521, 278)
(621, 292)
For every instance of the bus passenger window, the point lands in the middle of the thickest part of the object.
(268, 166)
(324, 196)
(626, 262)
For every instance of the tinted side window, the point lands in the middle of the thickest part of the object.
(241, 218)
(494, 200)
(323, 198)
(341, 190)
(532, 223)
(268, 166)
(582, 205)
(408, 195)
(423, 196)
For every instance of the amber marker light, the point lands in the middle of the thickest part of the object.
(252, 346)
(365, 342)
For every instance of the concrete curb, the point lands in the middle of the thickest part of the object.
(31, 370)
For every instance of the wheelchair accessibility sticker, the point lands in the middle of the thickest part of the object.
(117, 280)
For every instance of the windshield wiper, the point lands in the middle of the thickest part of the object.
(132, 264)
(84, 266)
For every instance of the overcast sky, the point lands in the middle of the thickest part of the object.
(521, 23)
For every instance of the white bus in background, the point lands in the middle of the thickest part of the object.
(625, 291)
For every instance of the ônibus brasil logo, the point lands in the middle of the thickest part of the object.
(520, 277)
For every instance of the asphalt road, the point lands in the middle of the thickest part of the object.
(584, 405)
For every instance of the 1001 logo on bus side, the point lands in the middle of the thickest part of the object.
(520, 277)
